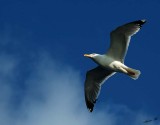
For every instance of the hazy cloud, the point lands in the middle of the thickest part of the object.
(54, 96)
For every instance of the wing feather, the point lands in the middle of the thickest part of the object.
(93, 82)
(120, 39)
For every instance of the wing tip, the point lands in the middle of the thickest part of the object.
(140, 22)
(144, 20)
(90, 105)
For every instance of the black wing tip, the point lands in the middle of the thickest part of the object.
(140, 22)
(90, 105)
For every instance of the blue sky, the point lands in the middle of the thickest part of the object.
(43, 70)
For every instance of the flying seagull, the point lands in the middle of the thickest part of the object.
(110, 62)
(155, 119)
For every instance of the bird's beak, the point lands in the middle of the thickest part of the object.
(87, 55)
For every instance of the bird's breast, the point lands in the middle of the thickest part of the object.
(115, 65)
(106, 62)
(111, 64)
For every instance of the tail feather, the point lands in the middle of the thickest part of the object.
(134, 74)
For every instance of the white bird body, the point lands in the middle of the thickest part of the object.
(111, 62)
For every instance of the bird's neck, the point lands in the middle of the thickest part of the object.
(103, 60)
(98, 58)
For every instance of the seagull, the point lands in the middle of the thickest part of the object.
(110, 62)
(155, 119)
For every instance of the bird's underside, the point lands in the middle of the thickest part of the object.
(120, 39)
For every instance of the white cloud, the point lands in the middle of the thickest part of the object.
(7, 67)
(54, 96)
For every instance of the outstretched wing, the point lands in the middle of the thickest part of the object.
(120, 39)
(93, 82)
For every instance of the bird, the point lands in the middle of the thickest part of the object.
(155, 119)
(110, 62)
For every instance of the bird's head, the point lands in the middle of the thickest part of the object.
(92, 56)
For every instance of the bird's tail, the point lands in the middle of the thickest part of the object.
(134, 74)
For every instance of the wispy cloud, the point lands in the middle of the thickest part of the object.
(54, 96)
(7, 67)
